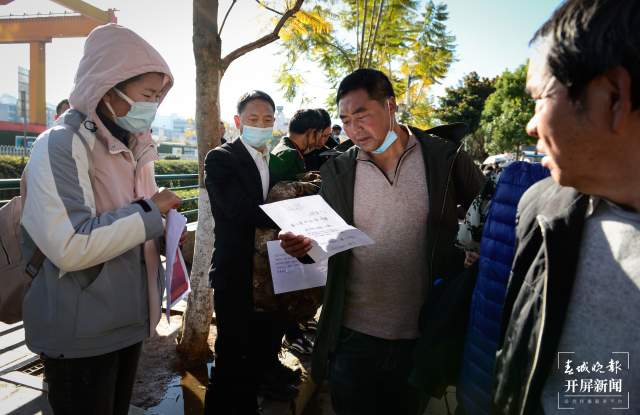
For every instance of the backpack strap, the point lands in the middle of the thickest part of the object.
(35, 263)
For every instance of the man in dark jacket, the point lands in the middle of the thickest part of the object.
(237, 180)
(400, 185)
(572, 306)
(287, 159)
(315, 158)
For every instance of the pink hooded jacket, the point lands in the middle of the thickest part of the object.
(113, 54)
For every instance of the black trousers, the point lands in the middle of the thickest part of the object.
(369, 376)
(247, 345)
(99, 385)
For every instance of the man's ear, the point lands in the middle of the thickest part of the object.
(236, 120)
(393, 107)
(618, 81)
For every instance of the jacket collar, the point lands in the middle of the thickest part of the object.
(564, 205)
(245, 157)
(438, 155)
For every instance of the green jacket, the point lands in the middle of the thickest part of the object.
(452, 179)
(285, 162)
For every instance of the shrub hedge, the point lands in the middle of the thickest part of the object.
(11, 167)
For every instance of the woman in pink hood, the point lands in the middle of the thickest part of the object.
(94, 212)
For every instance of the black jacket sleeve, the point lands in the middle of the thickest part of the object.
(468, 179)
(228, 194)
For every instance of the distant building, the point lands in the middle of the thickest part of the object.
(12, 133)
(9, 110)
(180, 125)
(177, 150)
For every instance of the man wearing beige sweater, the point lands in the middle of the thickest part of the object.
(401, 186)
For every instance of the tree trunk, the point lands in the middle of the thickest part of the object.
(207, 51)
(193, 344)
(210, 68)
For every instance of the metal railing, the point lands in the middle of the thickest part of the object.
(15, 151)
(189, 208)
(174, 182)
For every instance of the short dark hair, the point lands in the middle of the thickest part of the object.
(326, 118)
(59, 106)
(336, 127)
(589, 37)
(252, 95)
(376, 84)
(304, 120)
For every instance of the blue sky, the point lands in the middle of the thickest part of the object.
(492, 35)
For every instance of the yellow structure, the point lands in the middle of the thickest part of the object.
(39, 30)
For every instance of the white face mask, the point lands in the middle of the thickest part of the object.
(140, 115)
(257, 137)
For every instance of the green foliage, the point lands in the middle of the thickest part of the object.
(176, 167)
(406, 39)
(465, 103)
(11, 166)
(507, 112)
(188, 194)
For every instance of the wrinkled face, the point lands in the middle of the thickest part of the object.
(257, 113)
(366, 121)
(147, 88)
(573, 135)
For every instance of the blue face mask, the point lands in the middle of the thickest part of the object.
(257, 137)
(391, 135)
(140, 115)
(388, 140)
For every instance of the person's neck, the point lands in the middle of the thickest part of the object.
(118, 132)
(388, 160)
(624, 190)
(299, 142)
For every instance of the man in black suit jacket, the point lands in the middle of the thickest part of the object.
(237, 180)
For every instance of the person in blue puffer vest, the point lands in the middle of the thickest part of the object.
(485, 315)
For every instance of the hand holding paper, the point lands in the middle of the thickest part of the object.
(312, 217)
(289, 274)
(295, 245)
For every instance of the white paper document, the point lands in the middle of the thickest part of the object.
(177, 282)
(312, 217)
(289, 274)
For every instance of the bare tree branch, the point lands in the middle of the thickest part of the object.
(357, 30)
(375, 34)
(264, 40)
(269, 8)
(225, 16)
(364, 26)
(372, 22)
(373, 26)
